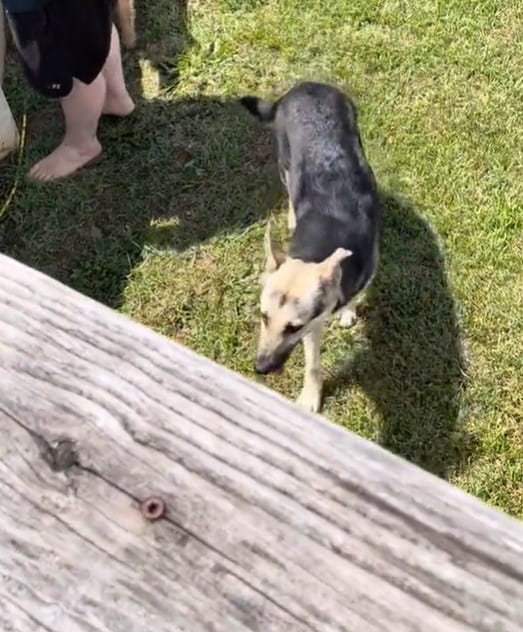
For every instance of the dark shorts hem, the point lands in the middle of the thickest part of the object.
(64, 40)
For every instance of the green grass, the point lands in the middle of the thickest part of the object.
(169, 227)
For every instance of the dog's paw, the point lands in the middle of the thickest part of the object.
(310, 400)
(348, 317)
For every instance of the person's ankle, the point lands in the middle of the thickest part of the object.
(120, 104)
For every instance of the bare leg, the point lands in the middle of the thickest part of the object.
(310, 396)
(82, 109)
(117, 100)
(126, 16)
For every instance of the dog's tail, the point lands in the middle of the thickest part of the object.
(261, 109)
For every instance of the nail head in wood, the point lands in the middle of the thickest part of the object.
(153, 508)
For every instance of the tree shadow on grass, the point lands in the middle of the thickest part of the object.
(174, 174)
(411, 362)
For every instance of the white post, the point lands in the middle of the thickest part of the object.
(8, 129)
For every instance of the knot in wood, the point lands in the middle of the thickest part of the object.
(59, 455)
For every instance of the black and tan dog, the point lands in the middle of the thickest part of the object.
(334, 212)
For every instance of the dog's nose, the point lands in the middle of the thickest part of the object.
(262, 366)
(265, 364)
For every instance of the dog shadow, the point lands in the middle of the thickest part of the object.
(199, 168)
(411, 363)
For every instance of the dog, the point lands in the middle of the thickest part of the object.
(126, 19)
(335, 216)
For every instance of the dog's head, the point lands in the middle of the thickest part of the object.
(296, 296)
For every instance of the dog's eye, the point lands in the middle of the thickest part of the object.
(265, 318)
(292, 329)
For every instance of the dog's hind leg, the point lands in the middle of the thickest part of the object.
(291, 217)
(291, 214)
(310, 396)
(348, 314)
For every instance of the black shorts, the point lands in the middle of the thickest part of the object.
(64, 40)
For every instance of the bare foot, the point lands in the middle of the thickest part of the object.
(64, 161)
(118, 106)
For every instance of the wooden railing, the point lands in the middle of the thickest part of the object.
(275, 520)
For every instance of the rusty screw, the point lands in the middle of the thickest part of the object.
(153, 508)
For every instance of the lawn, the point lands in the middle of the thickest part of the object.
(168, 228)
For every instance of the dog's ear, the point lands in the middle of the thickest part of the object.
(274, 255)
(331, 265)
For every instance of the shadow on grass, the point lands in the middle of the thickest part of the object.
(411, 365)
(174, 174)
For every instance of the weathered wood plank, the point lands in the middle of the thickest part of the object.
(277, 520)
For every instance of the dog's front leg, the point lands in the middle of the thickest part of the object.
(310, 396)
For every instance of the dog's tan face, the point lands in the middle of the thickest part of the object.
(295, 297)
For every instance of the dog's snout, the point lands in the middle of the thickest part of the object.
(263, 365)
(272, 362)
(267, 364)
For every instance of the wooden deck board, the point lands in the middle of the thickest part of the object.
(276, 519)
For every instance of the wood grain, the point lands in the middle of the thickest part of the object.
(277, 520)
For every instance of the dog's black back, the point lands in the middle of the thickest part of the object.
(330, 184)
